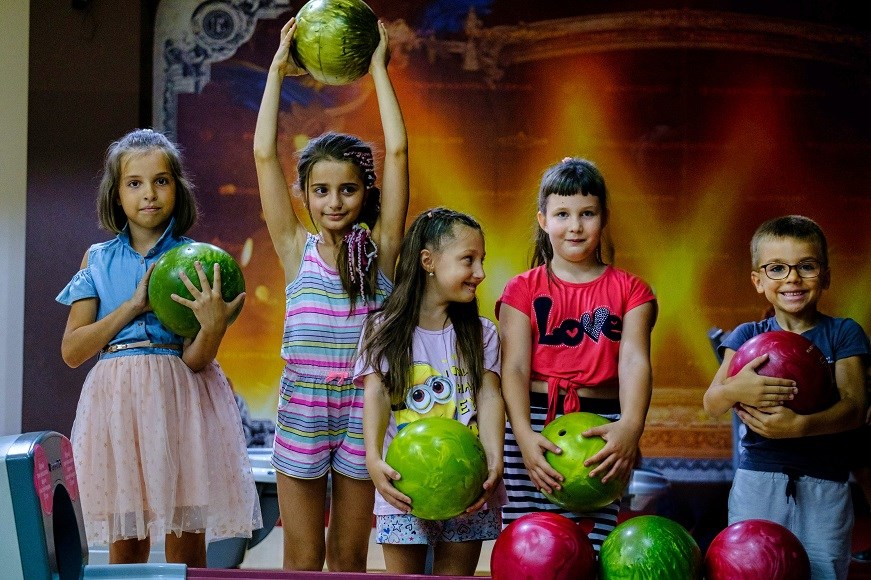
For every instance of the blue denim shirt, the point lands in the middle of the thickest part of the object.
(114, 270)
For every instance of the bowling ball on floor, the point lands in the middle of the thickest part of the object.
(579, 492)
(791, 356)
(442, 466)
(165, 280)
(335, 39)
(543, 546)
(651, 548)
(756, 550)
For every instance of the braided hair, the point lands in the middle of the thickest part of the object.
(358, 252)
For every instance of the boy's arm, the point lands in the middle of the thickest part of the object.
(719, 397)
(746, 387)
(390, 227)
(847, 413)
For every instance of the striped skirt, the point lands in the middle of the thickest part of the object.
(524, 498)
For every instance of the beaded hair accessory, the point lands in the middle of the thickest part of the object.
(363, 158)
(362, 251)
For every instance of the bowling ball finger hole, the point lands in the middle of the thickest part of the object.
(562, 432)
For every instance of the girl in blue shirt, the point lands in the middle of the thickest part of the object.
(157, 438)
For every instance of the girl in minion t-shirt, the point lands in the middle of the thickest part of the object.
(429, 354)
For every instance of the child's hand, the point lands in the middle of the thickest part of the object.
(490, 485)
(283, 60)
(773, 422)
(383, 477)
(758, 390)
(532, 447)
(381, 56)
(619, 456)
(208, 303)
(139, 301)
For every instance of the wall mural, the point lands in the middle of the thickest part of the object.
(704, 123)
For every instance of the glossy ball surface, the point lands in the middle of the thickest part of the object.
(756, 550)
(649, 548)
(579, 492)
(165, 281)
(335, 39)
(543, 546)
(791, 356)
(442, 466)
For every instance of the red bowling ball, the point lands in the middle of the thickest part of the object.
(791, 356)
(756, 550)
(543, 546)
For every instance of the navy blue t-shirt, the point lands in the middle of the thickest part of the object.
(820, 456)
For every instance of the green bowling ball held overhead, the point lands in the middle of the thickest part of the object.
(335, 39)
(166, 281)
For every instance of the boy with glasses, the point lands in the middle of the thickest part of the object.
(794, 468)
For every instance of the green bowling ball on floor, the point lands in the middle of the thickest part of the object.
(442, 466)
(165, 281)
(650, 548)
(579, 492)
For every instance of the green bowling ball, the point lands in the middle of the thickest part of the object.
(335, 39)
(165, 281)
(650, 548)
(579, 492)
(442, 466)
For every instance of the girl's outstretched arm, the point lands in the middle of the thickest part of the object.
(390, 227)
(515, 334)
(287, 233)
(85, 336)
(376, 415)
(620, 454)
(491, 430)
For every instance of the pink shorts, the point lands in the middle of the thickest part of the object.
(319, 428)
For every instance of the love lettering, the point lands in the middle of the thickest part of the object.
(570, 331)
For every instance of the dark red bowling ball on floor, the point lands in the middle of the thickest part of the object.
(543, 546)
(791, 356)
(756, 550)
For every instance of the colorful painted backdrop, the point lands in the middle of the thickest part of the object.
(703, 123)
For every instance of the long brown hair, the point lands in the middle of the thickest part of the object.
(388, 334)
(342, 147)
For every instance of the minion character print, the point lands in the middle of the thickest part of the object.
(430, 395)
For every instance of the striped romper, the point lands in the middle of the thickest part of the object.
(320, 411)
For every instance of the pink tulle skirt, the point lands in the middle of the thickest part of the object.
(159, 449)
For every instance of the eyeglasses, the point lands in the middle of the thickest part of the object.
(805, 269)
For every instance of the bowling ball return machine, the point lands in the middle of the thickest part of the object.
(41, 526)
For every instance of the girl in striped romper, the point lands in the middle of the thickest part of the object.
(334, 278)
(575, 336)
